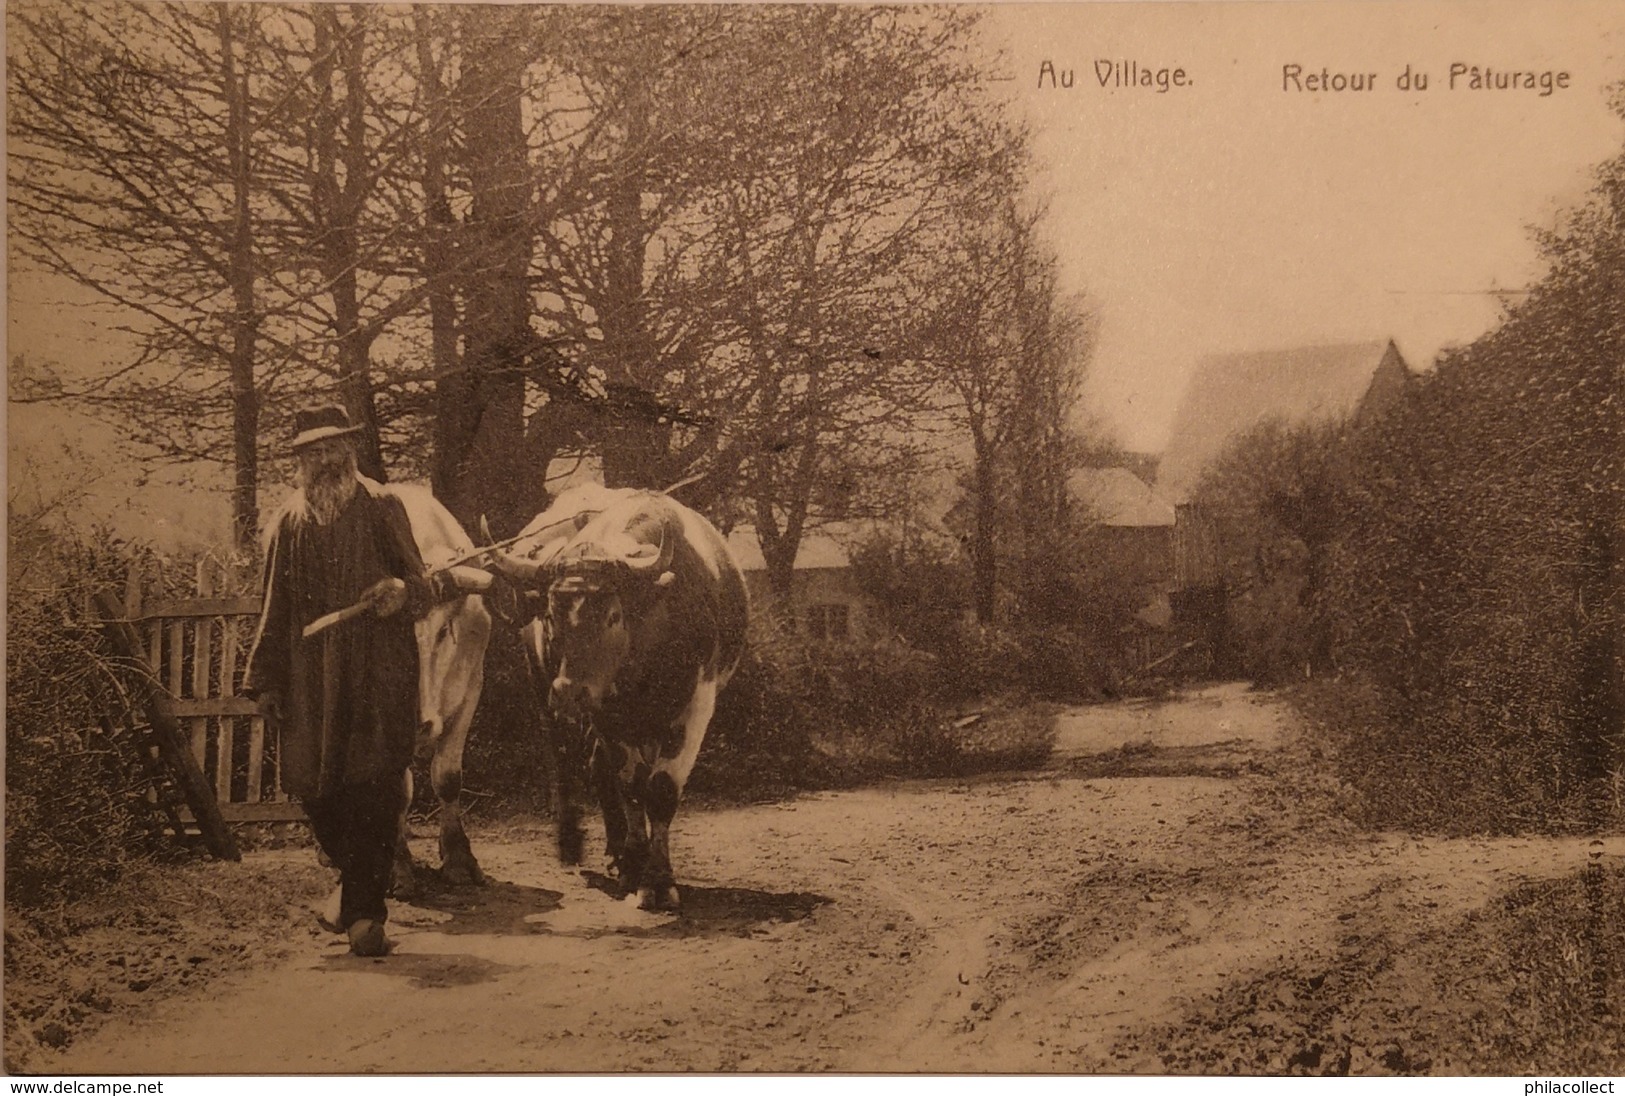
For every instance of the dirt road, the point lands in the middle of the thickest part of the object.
(1068, 920)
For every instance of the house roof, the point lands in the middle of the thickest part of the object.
(828, 546)
(1230, 393)
(819, 549)
(1118, 498)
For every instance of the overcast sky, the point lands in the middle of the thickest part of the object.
(1233, 214)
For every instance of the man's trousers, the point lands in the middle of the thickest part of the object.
(357, 827)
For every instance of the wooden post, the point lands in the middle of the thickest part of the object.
(202, 630)
(229, 653)
(155, 629)
(167, 730)
(132, 592)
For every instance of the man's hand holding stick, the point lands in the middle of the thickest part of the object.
(383, 597)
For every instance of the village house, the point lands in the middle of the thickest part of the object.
(826, 602)
(1129, 532)
(1230, 394)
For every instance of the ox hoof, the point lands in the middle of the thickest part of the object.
(659, 899)
(462, 871)
(627, 869)
(403, 883)
(367, 939)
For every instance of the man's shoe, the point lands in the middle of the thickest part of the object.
(367, 938)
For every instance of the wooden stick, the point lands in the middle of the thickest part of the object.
(369, 598)
(501, 544)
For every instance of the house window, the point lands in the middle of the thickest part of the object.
(827, 621)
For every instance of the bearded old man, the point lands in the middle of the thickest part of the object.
(334, 663)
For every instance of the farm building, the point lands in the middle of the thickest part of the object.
(1129, 532)
(826, 601)
(1228, 395)
(1126, 518)
(1231, 393)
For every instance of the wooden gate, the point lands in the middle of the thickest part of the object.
(197, 648)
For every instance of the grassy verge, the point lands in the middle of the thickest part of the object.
(1533, 984)
(996, 738)
(159, 930)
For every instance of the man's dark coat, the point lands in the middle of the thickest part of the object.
(350, 693)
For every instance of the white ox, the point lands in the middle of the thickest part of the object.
(452, 637)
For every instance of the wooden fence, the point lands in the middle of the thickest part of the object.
(197, 648)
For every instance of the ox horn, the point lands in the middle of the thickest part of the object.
(645, 558)
(468, 580)
(511, 565)
(526, 570)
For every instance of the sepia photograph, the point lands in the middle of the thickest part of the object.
(968, 539)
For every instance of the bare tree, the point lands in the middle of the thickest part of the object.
(131, 174)
(881, 119)
(677, 238)
(1009, 355)
(221, 176)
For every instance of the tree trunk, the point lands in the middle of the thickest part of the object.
(337, 213)
(779, 550)
(635, 443)
(450, 382)
(485, 452)
(984, 564)
(781, 544)
(245, 410)
(355, 344)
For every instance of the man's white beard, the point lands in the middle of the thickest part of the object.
(328, 490)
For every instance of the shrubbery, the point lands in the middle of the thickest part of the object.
(1043, 662)
(791, 696)
(804, 715)
(1061, 601)
(1458, 562)
(1480, 579)
(74, 815)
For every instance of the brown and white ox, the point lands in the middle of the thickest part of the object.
(638, 622)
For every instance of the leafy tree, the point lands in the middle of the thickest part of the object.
(1272, 498)
(1478, 584)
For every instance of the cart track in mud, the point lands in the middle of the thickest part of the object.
(1064, 920)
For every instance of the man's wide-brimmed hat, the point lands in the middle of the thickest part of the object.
(315, 424)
